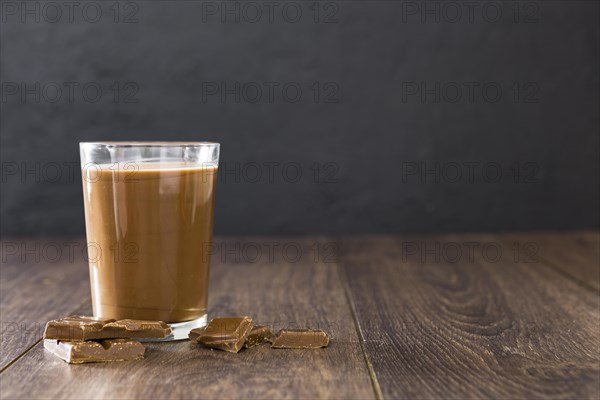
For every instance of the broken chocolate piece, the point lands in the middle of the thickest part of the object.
(96, 351)
(300, 339)
(195, 334)
(258, 335)
(80, 328)
(133, 328)
(227, 334)
(74, 328)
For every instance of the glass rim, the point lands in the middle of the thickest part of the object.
(149, 144)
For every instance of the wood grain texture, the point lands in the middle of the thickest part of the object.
(276, 291)
(437, 325)
(577, 254)
(39, 280)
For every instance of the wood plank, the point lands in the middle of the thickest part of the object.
(438, 326)
(39, 280)
(275, 291)
(576, 254)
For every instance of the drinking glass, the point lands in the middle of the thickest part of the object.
(149, 221)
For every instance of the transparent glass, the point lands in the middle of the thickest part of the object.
(149, 210)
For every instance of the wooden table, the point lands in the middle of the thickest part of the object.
(453, 316)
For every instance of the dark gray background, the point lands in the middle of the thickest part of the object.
(544, 142)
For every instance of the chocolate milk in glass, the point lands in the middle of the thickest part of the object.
(149, 227)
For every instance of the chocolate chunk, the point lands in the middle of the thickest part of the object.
(227, 334)
(300, 339)
(96, 351)
(133, 328)
(258, 335)
(81, 328)
(75, 328)
(195, 334)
